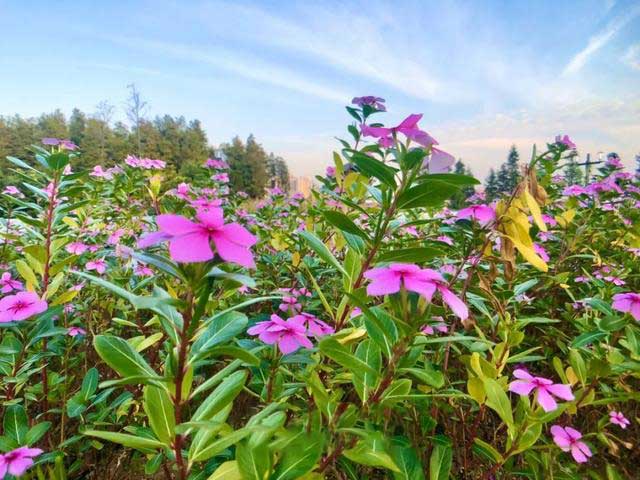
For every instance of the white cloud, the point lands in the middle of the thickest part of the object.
(243, 65)
(631, 57)
(599, 40)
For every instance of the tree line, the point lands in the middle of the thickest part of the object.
(182, 143)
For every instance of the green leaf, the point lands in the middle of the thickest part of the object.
(36, 432)
(159, 409)
(300, 458)
(15, 423)
(227, 471)
(371, 454)
(344, 223)
(453, 178)
(411, 255)
(121, 356)
(219, 398)
(90, 383)
(431, 193)
(441, 457)
(323, 252)
(407, 460)
(587, 338)
(219, 330)
(220, 444)
(372, 167)
(487, 451)
(397, 391)
(57, 161)
(498, 400)
(341, 355)
(254, 460)
(369, 352)
(132, 441)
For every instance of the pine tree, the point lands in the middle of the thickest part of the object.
(458, 200)
(491, 186)
(513, 169)
(503, 181)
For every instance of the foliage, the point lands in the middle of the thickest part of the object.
(381, 334)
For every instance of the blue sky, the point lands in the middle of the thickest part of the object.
(485, 74)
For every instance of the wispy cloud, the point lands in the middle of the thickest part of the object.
(243, 65)
(631, 57)
(599, 40)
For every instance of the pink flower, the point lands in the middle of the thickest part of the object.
(542, 253)
(543, 387)
(331, 172)
(289, 335)
(115, 237)
(21, 306)
(13, 190)
(479, 213)
(408, 127)
(17, 462)
(439, 161)
(75, 331)
(143, 271)
(8, 284)
(98, 265)
(315, 326)
(440, 326)
(568, 439)
(99, 172)
(216, 163)
(132, 161)
(619, 419)
(445, 239)
(190, 241)
(627, 302)
(566, 141)
(76, 248)
(389, 280)
(370, 100)
(290, 304)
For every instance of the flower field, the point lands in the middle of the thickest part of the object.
(181, 331)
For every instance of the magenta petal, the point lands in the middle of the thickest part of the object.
(190, 248)
(230, 251)
(211, 217)
(410, 122)
(384, 285)
(521, 387)
(238, 234)
(546, 401)
(19, 466)
(457, 305)
(440, 161)
(577, 454)
(175, 224)
(561, 391)
(288, 343)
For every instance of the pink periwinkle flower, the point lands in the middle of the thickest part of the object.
(315, 326)
(12, 190)
(480, 213)
(189, 241)
(439, 161)
(289, 334)
(99, 172)
(143, 270)
(331, 172)
(544, 389)
(627, 302)
(439, 327)
(408, 127)
(541, 252)
(568, 439)
(22, 305)
(618, 418)
(445, 239)
(18, 461)
(8, 284)
(370, 100)
(75, 331)
(99, 265)
(566, 141)
(290, 304)
(76, 248)
(425, 282)
(216, 163)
